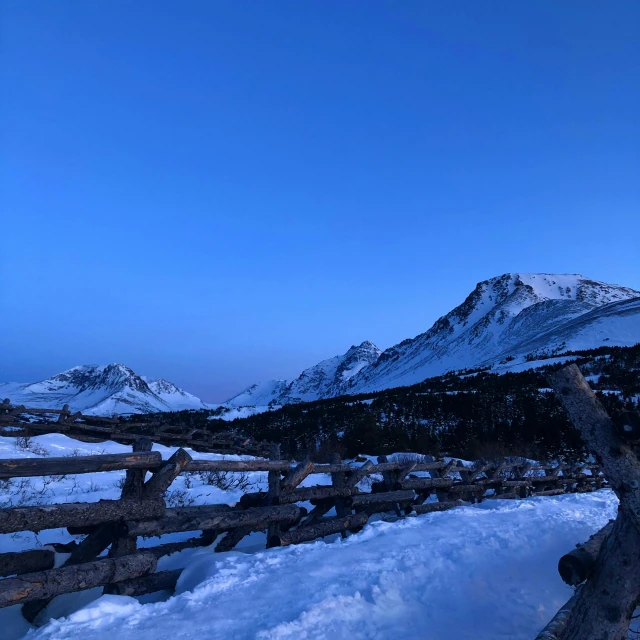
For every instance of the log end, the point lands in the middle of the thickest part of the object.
(572, 570)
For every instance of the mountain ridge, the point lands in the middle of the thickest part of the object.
(503, 324)
(510, 317)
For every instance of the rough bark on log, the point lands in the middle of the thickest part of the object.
(296, 476)
(430, 507)
(48, 584)
(26, 561)
(77, 514)
(317, 512)
(166, 474)
(405, 470)
(321, 529)
(424, 483)
(170, 548)
(618, 460)
(558, 624)
(574, 567)
(260, 517)
(358, 474)
(238, 465)
(134, 479)
(467, 488)
(31, 467)
(606, 602)
(161, 581)
(319, 492)
(231, 538)
(316, 493)
(367, 499)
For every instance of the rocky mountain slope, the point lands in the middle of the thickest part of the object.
(324, 380)
(102, 390)
(513, 318)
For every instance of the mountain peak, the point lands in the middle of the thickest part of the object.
(103, 390)
(324, 380)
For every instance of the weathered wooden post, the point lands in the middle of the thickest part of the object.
(273, 480)
(338, 479)
(97, 541)
(606, 601)
(132, 488)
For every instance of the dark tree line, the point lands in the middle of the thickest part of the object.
(471, 416)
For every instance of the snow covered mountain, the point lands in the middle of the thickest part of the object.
(510, 318)
(101, 390)
(324, 380)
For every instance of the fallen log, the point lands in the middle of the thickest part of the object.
(323, 528)
(574, 567)
(430, 507)
(366, 499)
(161, 581)
(204, 519)
(31, 467)
(26, 561)
(48, 584)
(77, 514)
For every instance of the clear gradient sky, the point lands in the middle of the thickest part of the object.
(221, 191)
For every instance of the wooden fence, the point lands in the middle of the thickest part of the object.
(18, 420)
(356, 492)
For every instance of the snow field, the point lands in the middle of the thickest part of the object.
(484, 572)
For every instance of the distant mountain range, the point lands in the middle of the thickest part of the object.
(506, 323)
(102, 390)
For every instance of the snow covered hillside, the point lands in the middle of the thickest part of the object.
(101, 390)
(510, 318)
(475, 573)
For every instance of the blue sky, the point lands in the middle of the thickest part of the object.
(222, 192)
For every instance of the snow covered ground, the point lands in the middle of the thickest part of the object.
(487, 571)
